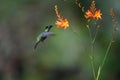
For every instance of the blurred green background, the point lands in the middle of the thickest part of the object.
(63, 56)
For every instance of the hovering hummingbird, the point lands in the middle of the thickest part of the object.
(43, 35)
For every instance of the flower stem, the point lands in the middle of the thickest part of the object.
(92, 51)
(93, 68)
(93, 41)
(105, 57)
(98, 73)
(106, 54)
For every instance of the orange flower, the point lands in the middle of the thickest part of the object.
(61, 22)
(98, 14)
(93, 13)
(89, 14)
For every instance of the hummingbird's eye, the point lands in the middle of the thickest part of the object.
(51, 26)
(46, 27)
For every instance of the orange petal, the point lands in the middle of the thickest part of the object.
(98, 14)
(89, 14)
(62, 23)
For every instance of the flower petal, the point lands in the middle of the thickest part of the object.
(62, 23)
(98, 14)
(89, 14)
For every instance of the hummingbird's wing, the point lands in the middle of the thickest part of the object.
(46, 34)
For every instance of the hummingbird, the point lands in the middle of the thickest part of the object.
(43, 35)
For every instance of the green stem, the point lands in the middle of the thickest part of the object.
(89, 32)
(105, 57)
(98, 73)
(92, 57)
(93, 41)
(93, 68)
(92, 50)
(106, 54)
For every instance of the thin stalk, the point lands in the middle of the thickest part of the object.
(89, 32)
(92, 57)
(93, 68)
(106, 54)
(98, 73)
(93, 41)
(105, 57)
(92, 50)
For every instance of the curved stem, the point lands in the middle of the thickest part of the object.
(93, 68)
(92, 48)
(107, 51)
(105, 57)
(93, 41)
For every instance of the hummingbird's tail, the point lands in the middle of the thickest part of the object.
(36, 44)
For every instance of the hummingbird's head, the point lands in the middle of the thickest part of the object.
(47, 28)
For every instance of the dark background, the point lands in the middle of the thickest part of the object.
(63, 56)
